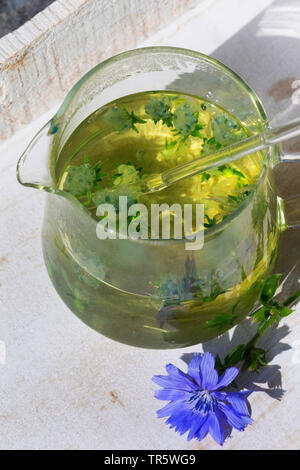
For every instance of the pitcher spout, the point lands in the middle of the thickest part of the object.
(33, 169)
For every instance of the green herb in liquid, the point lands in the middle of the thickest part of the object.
(148, 133)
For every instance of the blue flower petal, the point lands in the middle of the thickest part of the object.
(239, 403)
(166, 381)
(210, 381)
(236, 420)
(180, 420)
(215, 428)
(203, 429)
(220, 395)
(170, 408)
(184, 425)
(194, 368)
(178, 375)
(226, 378)
(197, 421)
(208, 372)
(175, 372)
(170, 394)
(177, 379)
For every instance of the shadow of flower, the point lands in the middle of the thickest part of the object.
(252, 381)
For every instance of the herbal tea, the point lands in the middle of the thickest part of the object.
(160, 295)
(117, 147)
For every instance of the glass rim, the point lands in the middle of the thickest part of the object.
(210, 231)
(158, 49)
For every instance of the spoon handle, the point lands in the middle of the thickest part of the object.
(255, 143)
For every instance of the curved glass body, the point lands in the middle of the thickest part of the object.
(147, 293)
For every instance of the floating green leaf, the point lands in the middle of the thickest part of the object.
(210, 146)
(229, 171)
(160, 110)
(127, 174)
(204, 176)
(237, 199)
(210, 222)
(80, 179)
(111, 196)
(226, 131)
(185, 119)
(120, 120)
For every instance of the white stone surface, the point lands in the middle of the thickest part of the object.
(66, 387)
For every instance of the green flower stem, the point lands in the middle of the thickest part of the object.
(252, 357)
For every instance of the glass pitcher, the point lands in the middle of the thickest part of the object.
(155, 293)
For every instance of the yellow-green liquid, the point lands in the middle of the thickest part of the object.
(128, 156)
(203, 293)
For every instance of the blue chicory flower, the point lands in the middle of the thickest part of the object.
(197, 401)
